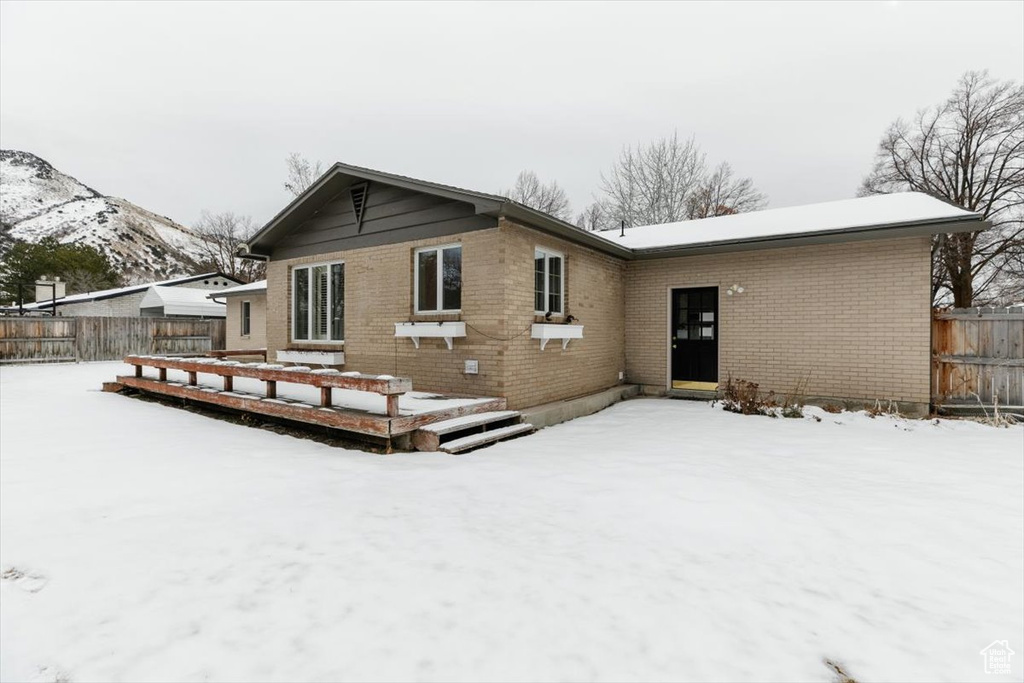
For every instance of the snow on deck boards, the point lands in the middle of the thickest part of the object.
(411, 403)
(475, 440)
(349, 410)
(467, 421)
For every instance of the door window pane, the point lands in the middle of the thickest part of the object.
(452, 279)
(300, 306)
(426, 262)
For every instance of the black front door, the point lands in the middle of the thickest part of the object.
(695, 335)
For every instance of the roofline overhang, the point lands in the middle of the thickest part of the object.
(539, 219)
(852, 234)
(228, 295)
(483, 203)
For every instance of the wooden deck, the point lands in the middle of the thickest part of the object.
(394, 421)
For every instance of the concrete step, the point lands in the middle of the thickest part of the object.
(484, 438)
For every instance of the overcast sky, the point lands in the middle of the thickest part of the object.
(183, 107)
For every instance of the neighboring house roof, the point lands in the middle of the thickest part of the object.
(101, 294)
(182, 301)
(877, 212)
(253, 288)
(898, 215)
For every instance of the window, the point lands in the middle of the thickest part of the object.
(438, 279)
(318, 303)
(246, 325)
(548, 270)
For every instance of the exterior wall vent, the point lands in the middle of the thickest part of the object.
(358, 195)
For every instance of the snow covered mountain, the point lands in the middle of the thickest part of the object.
(37, 201)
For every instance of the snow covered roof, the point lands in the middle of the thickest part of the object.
(877, 212)
(122, 291)
(258, 287)
(895, 215)
(182, 301)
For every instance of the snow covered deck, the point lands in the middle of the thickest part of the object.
(373, 405)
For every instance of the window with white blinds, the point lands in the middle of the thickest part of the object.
(318, 302)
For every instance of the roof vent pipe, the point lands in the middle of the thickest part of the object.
(622, 228)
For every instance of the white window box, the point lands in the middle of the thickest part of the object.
(416, 331)
(547, 331)
(312, 357)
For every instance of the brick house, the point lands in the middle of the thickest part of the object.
(470, 293)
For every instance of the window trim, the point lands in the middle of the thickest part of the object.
(439, 249)
(309, 316)
(245, 316)
(549, 254)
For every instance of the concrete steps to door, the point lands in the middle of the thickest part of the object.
(470, 431)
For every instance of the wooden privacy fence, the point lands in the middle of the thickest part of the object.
(28, 340)
(978, 353)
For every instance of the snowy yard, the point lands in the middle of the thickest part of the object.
(655, 540)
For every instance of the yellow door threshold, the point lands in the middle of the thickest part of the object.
(695, 386)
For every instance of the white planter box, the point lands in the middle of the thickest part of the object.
(312, 357)
(416, 331)
(547, 331)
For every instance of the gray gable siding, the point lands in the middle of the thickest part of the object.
(391, 215)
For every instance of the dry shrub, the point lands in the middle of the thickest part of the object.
(741, 396)
(891, 409)
(795, 399)
(832, 408)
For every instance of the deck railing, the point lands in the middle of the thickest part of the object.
(327, 379)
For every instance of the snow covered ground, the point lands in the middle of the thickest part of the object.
(655, 540)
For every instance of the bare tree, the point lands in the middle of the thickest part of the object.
(668, 181)
(549, 198)
(651, 183)
(593, 218)
(301, 173)
(1009, 288)
(721, 194)
(968, 151)
(221, 233)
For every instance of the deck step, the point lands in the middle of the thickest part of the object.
(430, 436)
(457, 424)
(484, 438)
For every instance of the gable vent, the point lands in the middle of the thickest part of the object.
(358, 194)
